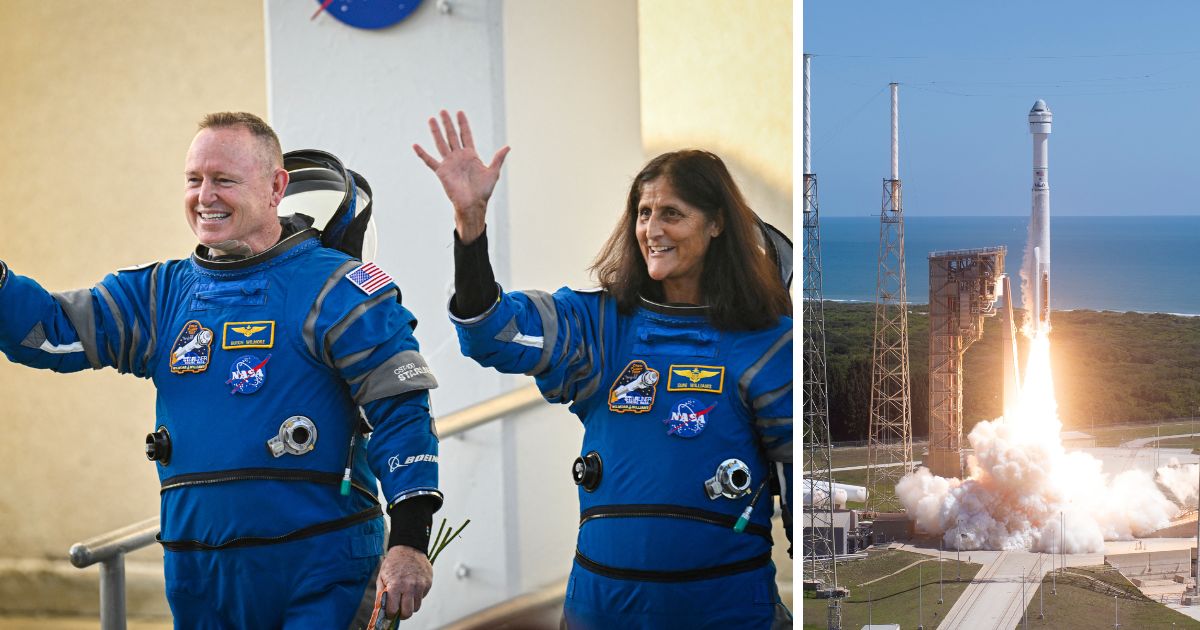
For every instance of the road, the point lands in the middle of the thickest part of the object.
(994, 597)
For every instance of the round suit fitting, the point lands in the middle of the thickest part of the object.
(587, 471)
(297, 436)
(731, 481)
(158, 446)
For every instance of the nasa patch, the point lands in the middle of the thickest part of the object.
(688, 418)
(192, 348)
(247, 374)
(634, 389)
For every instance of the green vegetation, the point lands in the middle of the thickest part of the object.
(1084, 598)
(1108, 368)
(887, 588)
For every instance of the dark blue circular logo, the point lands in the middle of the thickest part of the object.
(688, 418)
(372, 14)
(247, 374)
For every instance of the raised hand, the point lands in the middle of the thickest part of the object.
(467, 181)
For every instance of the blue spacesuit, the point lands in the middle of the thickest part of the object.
(262, 365)
(666, 400)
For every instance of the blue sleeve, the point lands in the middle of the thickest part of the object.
(766, 390)
(368, 340)
(403, 449)
(557, 339)
(109, 325)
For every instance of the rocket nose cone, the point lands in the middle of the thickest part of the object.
(1040, 117)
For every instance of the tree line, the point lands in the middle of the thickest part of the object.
(1108, 367)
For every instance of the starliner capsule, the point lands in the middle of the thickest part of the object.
(1037, 261)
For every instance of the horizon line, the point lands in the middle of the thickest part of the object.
(1005, 216)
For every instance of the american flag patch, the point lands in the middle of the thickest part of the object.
(368, 277)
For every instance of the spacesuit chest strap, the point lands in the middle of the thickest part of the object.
(261, 474)
(253, 541)
(671, 511)
(687, 575)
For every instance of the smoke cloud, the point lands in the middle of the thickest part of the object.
(1024, 491)
(1183, 481)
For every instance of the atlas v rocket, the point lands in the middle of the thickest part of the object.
(1037, 258)
(1037, 270)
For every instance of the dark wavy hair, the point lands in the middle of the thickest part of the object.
(740, 283)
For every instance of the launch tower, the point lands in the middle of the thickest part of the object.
(820, 551)
(963, 289)
(889, 446)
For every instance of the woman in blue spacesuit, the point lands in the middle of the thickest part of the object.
(679, 367)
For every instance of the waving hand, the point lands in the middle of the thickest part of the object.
(467, 181)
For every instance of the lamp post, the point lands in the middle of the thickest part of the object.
(961, 537)
(1062, 550)
(1026, 606)
(941, 543)
(1041, 588)
(920, 597)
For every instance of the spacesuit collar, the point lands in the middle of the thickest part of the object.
(296, 230)
(673, 309)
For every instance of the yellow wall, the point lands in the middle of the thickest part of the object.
(98, 103)
(717, 75)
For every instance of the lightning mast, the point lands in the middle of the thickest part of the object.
(889, 445)
(820, 547)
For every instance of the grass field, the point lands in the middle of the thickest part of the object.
(1079, 603)
(888, 587)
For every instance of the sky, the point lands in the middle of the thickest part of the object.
(1121, 78)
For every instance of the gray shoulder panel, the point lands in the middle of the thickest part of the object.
(78, 305)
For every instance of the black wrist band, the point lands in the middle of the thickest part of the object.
(474, 281)
(411, 521)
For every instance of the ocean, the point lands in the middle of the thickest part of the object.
(1126, 263)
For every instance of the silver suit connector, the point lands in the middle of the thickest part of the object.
(731, 481)
(297, 436)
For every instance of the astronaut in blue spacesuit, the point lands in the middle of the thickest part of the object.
(274, 359)
(679, 368)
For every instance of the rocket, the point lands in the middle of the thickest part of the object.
(1037, 262)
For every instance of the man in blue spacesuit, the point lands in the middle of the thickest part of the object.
(679, 368)
(274, 359)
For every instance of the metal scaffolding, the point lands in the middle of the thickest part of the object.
(889, 445)
(963, 288)
(820, 550)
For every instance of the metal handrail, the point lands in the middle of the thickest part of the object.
(109, 548)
